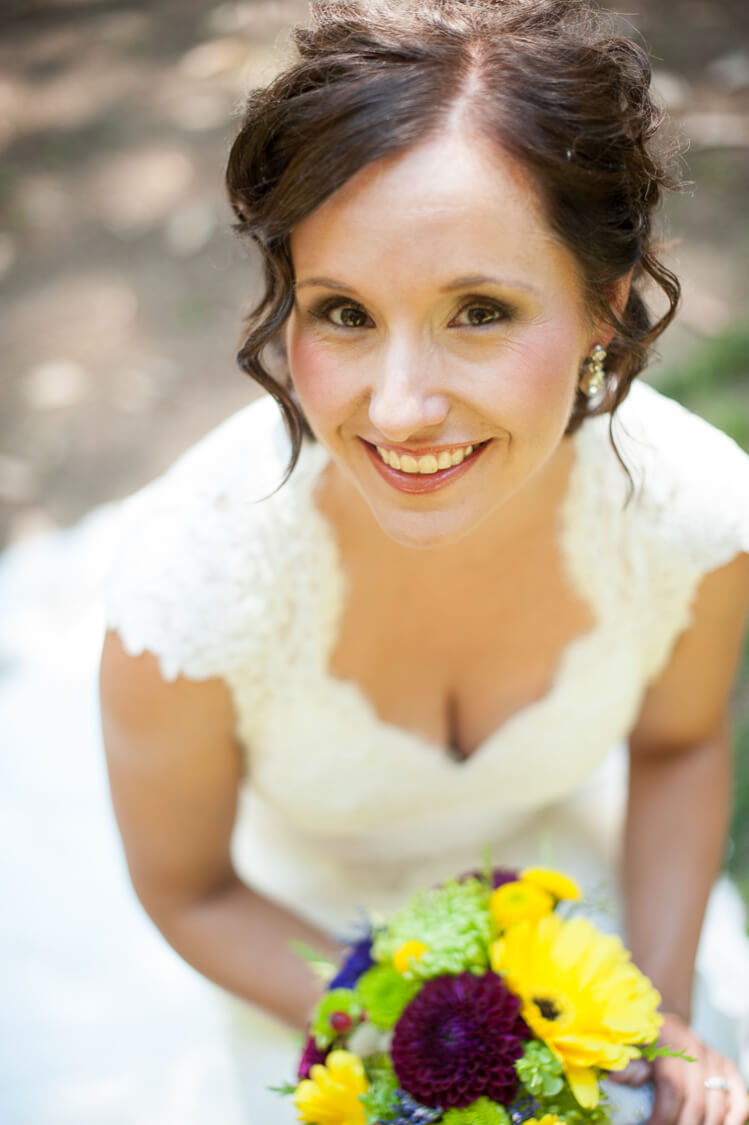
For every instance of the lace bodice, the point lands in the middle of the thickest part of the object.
(218, 583)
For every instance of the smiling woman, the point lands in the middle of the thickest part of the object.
(488, 560)
(445, 333)
(546, 84)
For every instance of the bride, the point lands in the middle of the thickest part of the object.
(484, 562)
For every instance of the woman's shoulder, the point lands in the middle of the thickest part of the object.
(671, 431)
(689, 516)
(201, 549)
(691, 479)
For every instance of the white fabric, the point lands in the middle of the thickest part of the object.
(342, 808)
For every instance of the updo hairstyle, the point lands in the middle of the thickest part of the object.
(546, 80)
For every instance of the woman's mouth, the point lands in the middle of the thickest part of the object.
(426, 473)
(426, 465)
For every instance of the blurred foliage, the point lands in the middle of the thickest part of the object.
(713, 381)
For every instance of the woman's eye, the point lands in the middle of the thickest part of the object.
(477, 315)
(340, 314)
(348, 316)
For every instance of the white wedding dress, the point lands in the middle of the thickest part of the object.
(342, 810)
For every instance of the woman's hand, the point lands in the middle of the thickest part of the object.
(681, 1097)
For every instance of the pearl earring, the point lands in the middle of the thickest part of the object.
(593, 372)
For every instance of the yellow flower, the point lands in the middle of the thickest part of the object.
(410, 950)
(580, 994)
(330, 1096)
(557, 884)
(547, 1119)
(519, 902)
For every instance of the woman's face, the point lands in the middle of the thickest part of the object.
(436, 311)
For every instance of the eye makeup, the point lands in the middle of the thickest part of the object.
(323, 310)
(493, 311)
(353, 316)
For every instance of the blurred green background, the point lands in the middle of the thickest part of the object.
(124, 288)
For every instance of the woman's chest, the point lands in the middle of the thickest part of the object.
(531, 672)
(536, 687)
(452, 662)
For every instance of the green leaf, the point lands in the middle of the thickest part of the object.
(324, 968)
(286, 1090)
(652, 1052)
(379, 1102)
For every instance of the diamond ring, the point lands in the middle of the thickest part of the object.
(718, 1082)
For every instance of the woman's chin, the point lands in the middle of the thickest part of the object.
(424, 531)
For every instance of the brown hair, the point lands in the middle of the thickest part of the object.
(547, 80)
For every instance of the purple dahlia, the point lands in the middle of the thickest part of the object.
(500, 876)
(356, 964)
(458, 1040)
(311, 1055)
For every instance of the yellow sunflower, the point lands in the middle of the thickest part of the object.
(581, 995)
(518, 902)
(330, 1096)
(557, 884)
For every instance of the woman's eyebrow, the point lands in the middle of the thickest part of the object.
(323, 283)
(459, 283)
(486, 279)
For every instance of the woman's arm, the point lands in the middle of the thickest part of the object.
(174, 770)
(678, 811)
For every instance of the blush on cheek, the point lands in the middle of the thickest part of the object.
(523, 373)
(317, 381)
(527, 392)
(543, 368)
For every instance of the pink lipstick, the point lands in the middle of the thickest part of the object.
(417, 483)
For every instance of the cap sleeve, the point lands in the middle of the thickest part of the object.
(193, 578)
(691, 510)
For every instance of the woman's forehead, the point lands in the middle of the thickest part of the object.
(455, 203)
(436, 177)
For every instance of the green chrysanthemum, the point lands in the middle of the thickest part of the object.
(383, 994)
(542, 1075)
(339, 1000)
(540, 1070)
(568, 1110)
(482, 1112)
(452, 921)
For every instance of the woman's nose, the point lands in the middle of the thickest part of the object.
(406, 396)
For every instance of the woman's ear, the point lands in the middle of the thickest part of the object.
(617, 295)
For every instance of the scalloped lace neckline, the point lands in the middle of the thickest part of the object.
(572, 660)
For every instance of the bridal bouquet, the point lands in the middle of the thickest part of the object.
(488, 1000)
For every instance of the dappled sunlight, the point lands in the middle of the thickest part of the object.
(56, 383)
(76, 97)
(87, 315)
(137, 189)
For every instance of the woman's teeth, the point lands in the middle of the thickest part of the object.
(429, 464)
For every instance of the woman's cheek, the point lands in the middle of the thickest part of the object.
(316, 377)
(545, 372)
(522, 379)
